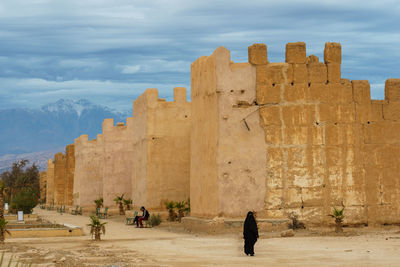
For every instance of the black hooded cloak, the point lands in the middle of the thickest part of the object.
(250, 233)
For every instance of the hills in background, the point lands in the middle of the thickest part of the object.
(39, 158)
(37, 134)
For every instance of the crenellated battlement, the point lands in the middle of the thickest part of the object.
(392, 90)
(298, 73)
(180, 95)
(150, 99)
(308, 72)
(59, 157)
(70, 149)
(108, 125)
(84, 138)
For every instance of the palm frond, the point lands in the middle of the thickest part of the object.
(179, 205)
(169, 205)
(119, 199)
(9, 263)
(2, 258)
(338, 214)
(3, 223)
(127, 201)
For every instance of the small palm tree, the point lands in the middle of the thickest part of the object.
(338, 215)
(96, 227)
(155, 219)
(128, 203)
(99, 203)
(181, 208)
(3, 230)
(120, 201)
(170, 205)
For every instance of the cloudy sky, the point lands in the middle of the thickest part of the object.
(109, 51)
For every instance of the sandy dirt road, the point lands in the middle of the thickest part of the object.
(125, 245)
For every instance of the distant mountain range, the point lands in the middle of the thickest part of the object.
(39, 158)
(37, 133)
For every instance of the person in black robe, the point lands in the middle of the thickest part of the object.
(250, 233)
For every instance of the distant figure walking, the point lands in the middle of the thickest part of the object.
(139, 219)
(250, 234)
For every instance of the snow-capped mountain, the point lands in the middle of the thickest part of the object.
(73, 106)
(37, 158)
(67, 106)
(52, 126)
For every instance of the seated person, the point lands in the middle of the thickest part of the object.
(139, 219)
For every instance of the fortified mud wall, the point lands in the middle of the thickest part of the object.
(311, 129)
(117, 166)
(139, 148)
(50, 182)
(148, 159)
(227, 175)
(161, 149)
(57, 182)
(276, 138)
(60, 172)
(381, 156)
(88, 176)
(69, 178)
(42, 185)
(325, 143)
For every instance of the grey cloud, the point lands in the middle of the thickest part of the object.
(115, 94)
(155, 66)
(83, 48)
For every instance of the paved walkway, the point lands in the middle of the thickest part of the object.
(126, 245)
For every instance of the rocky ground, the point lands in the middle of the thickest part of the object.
(170, 245)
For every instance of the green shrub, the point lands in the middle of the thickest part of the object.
(128, 203)
(338, 215)
(119, 200)
(96, 227)
(25, 200)
(155, 219)
(99, 202)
